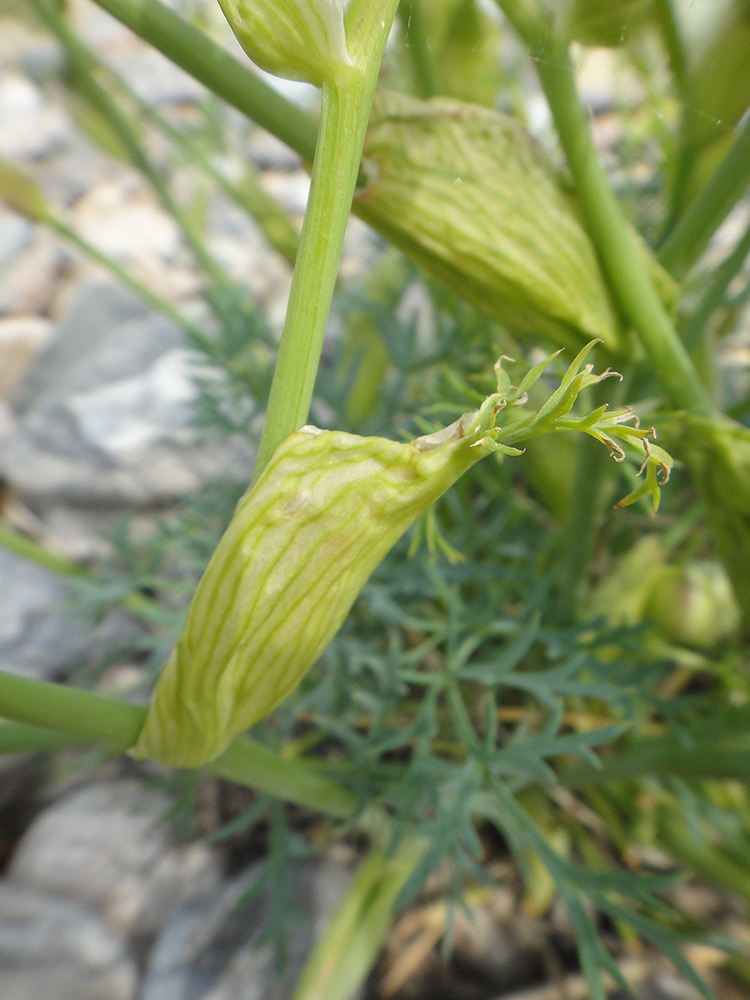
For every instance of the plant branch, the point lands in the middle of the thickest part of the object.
(248, 194)
(621, 258)
(347, 99)
(213, 66)
(703, 216)
(136, 286)
(417, 43)
(714, 295)
(83, 64)
(56, 715)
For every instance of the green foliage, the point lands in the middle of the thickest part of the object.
(521, 643)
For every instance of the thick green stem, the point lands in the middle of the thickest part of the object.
(620, 256)
(347, 99)
(208, 62)
(332, 187)
(19, 737)
(704, 215)
(57, 716)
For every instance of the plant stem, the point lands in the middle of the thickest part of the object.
(250, 194)
(78, 713)
(621, 258)
(208, 62)
(345, 953)
(703, 216)
(18, 737)
(714, 295)
(84, 65)
(417, 43)
(249, 763)
(27, 548)
(347, 99)
(141, 290)
(584, 517)
(56, 715)
(664, 17)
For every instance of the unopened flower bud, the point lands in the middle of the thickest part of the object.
(295, 39)
(693, 605)
(716, 451)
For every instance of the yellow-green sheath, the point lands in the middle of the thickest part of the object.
(301, 545)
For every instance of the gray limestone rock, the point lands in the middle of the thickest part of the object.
(56, 948)
(16, 234)
(29, 279)
(39, 636)
(30, 126)
(106, 411)
(107, 846)
(21, 338)
(96, 311)
(210, 950)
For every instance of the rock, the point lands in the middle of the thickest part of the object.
(21, 338)
(22, 777)
(668, 986)
(209, 949)
(30, 126)
(94, 312)
(16, 234)
(158, 80)
(290, 189)
(122, 218)
(126, 443)
(29, 281)
(76, 533)
(39, 637)
(79, 167)
(269, 153)
(495, 950)
(239, 246)
(29, 52)
(104, 847)
(106, 416)
(57, 948)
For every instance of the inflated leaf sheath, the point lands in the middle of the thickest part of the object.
(466, 193)
(302, 543)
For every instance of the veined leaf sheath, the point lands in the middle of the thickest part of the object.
(302, 543)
